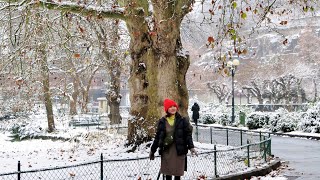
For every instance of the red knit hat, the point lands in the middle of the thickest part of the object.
(167, 103)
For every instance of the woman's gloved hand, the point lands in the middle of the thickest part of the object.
(193, 152)
(151, 155)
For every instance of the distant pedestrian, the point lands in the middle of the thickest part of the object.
(174, 139)
(195, 113)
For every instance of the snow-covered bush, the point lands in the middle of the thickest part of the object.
(210, 114)
(310, 120)
(285, 124)
(224, 119)
(25, 127)
(279, 121)
(283, 121)
(208, 119)
(273, 122)
(212, 118)
(23, 130)
(257, 120)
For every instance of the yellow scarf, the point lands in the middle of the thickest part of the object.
(171, 120)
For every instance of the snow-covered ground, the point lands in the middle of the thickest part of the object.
(38, 154)
(84, 145)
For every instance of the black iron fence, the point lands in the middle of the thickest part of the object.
(244, 149)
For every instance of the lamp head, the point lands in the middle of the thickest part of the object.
(236, 62)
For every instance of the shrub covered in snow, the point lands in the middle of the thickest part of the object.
(211, 119)
(23, 129)
(279, 121)
(257, 120)
(211, 114)
(310, 120)
(283, 121)
(208, 119)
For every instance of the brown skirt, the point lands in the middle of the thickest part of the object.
(171, 163)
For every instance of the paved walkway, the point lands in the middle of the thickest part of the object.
(302, 156)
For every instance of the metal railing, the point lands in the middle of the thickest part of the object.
(253, 149)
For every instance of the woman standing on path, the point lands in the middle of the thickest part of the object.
(174, 139)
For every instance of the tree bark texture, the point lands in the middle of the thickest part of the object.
(159, 63)
(158, 67)
(108, 37)
(44, 70)
(113, 62)
(46, 91)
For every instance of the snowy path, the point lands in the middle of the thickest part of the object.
(302, 155)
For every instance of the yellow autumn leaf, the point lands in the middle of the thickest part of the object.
(234, 4)
(243, 15)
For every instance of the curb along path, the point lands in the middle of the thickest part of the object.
(300, 154)
(255, 172)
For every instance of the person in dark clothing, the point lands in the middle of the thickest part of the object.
(195, 113)
(173, 139)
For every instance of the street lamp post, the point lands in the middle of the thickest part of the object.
(232, 65)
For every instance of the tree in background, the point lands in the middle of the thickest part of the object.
(26, 60)
(159, 62)
(114, 51)
(41, 48)
(221, 90)
(286, 90)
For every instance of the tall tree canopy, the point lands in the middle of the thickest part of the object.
(159, 62)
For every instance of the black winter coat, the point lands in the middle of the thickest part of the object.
(182, 135)
(195, 111)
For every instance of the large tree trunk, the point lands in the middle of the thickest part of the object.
(109, 42)
(44, 71)
(85, 100)
(158, 70)
(159, 64)
(46, 90)
(113, 94)
(114, 70)
(114, 116)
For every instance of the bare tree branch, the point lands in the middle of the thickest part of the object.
(73, 7)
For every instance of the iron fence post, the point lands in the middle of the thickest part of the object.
(215, 160)
(248, 152)
(264, 149)
(19, 169)
(269, 143)
(260, 136)
(197, 133)
(241, 137)
(227, 137)
(211, 135)
(101, 166)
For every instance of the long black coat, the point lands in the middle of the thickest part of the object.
(195, 111)
(182, 135)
